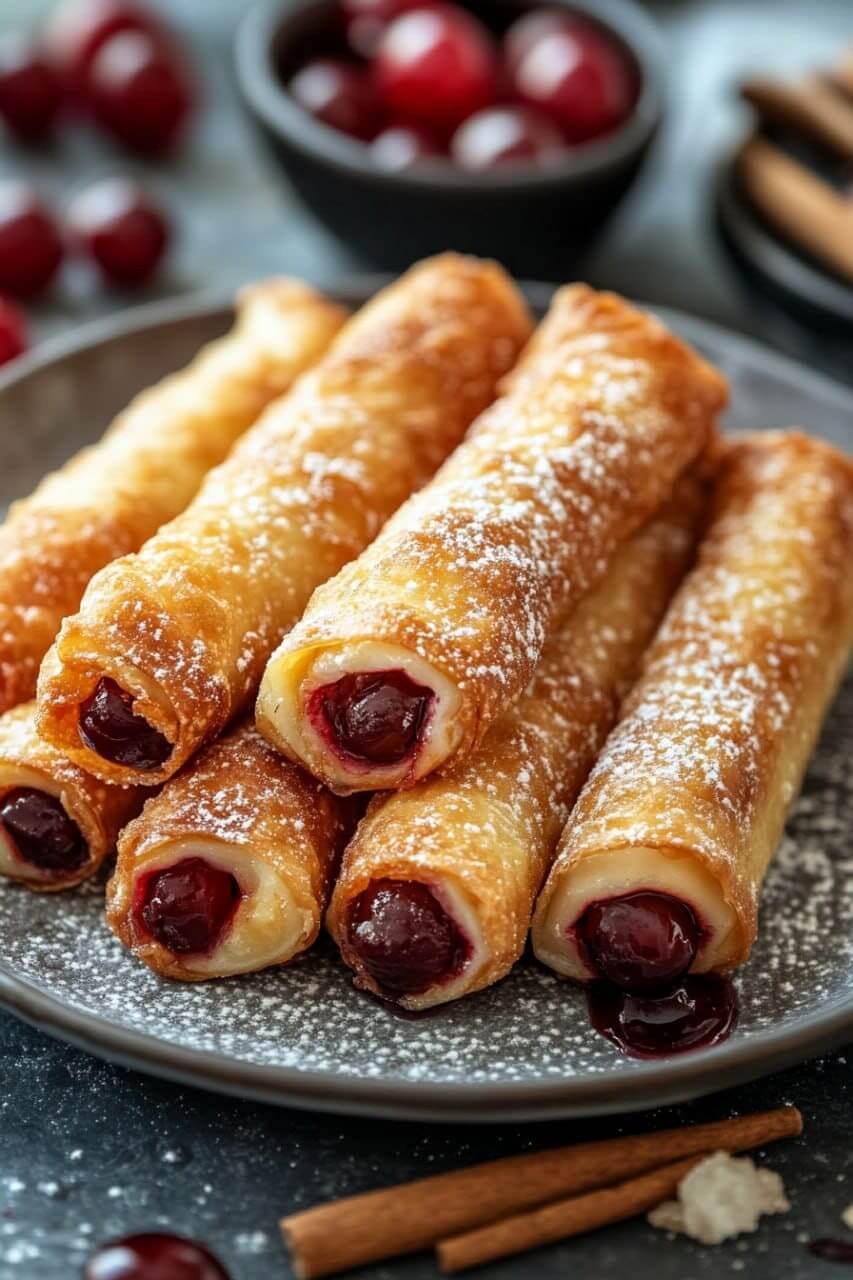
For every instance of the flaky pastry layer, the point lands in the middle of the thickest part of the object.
(482, 835)
(603, 413)
(188, 624)
(109, 498)
(690, 793)
(100, 811)
(243, 809)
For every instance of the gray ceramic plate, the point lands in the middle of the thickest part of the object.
(302, 1036)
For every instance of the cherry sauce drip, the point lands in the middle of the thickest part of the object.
(700, 1011)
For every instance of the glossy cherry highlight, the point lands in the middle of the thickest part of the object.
(404, 938)
(701, 1011)
(501, 136)
(139, 92)
(154, 1256)
(642, 942)
(121, 229)
(109, 727)
(376, 716)
(339, 94)
(41, 832)
(78, 29)
(186, 907)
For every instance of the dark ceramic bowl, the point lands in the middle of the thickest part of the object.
(536, 221)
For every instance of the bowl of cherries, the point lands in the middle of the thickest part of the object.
(493, 126)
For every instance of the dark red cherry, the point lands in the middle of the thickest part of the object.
(579, 78)
(339, 94)
(30, 247)
(187, 906)
(139, 92)
(436, 66)
(402, 145)
(30, 90)
(376, 716)
(41, 831)
(109, 727)
(701, 1011)
(502, 136)
(642, 942)
(404, 938)
(121, 229)
(13, 331)
(367, 19)
(77, 29)
(154, 1257)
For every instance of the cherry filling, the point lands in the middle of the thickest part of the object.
(699, 1012)
(642, 942)
(41, 831)
(109, 727)
(404, 938)
(186, 907)
(154, 1256)
(377, 717)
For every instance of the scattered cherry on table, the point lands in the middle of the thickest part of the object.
(140, 92)
(436, 66)
(30, 245)
(13, 331)
(577, 76)
(505, 135)
(339, 94)
(31, 92)
(121, 229)
(77, 30)
(154, 1256)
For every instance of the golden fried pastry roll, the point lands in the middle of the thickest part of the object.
(57, 823)
(437, 888)
(171, 643)
(108, 499)
(228, 868)
(661, 864)
(403, 661)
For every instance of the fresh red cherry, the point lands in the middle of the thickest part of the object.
(109, 726)
(187, 906)
(338, 93)
(404, 938)
(121, 229)
(376, 717)
(367, 19)
(642, 942)
(402, 145)
(139, 92)
(13, 331)
(436, 65)
(579, 78)
(77, 29)
(502, 136)
(41, 831)
(528, 30)
(154, 1257)
(30, 90)
(30, 247)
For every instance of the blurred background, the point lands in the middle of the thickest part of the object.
(228, 145)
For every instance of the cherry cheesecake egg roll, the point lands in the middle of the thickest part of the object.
(57, 822)
(661, 864)
(228, 868)
(437, 888)
(109, 498)
(170, 644)
(403, 661)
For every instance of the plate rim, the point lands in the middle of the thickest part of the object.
(647, 1084)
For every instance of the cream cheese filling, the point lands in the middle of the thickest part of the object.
(609, 875)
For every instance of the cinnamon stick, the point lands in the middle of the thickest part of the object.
(810, 107)
(800, 205)
(572, 1217)
(382, 1224)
